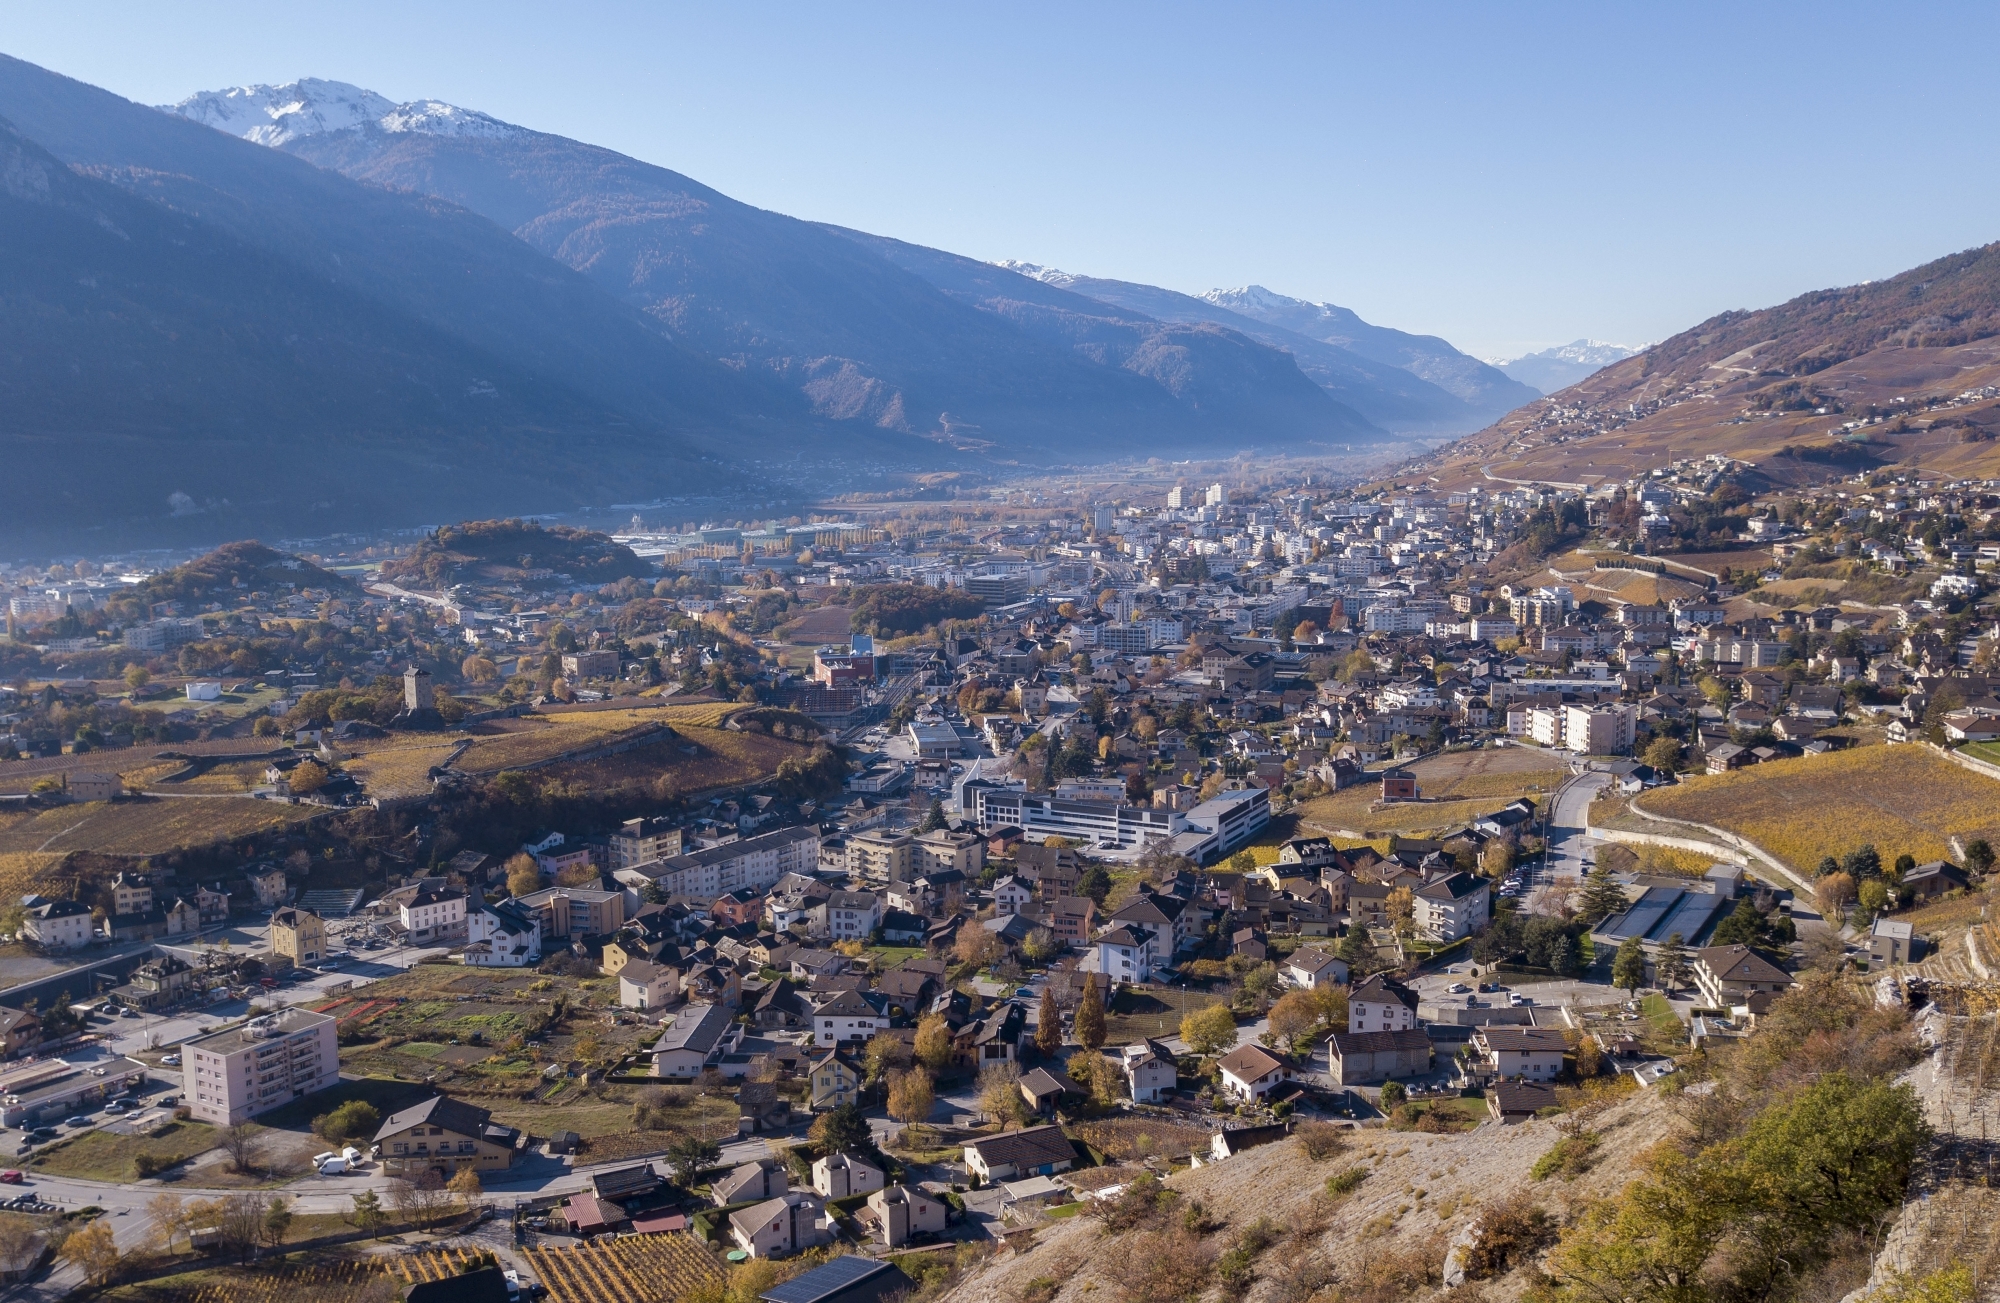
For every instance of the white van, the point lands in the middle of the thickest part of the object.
(334, 1167)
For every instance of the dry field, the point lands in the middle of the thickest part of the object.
(720, 759)
(1906, 800)
(148, 825)
(825, 625)
(1133, 1139)
(1459, 788)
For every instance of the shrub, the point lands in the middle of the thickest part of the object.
(1393, 1095)
(1346, 1181)
(1509, 1234)
(1321, 1140)
(356, 1119)
(1142, 1203)
(1040, 1290)
(1234, 1266)
(147, 1165)
(1567, 1158)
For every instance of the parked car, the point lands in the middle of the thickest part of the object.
(334, 1167)
(168, 1101)
(116, 1106)
(171, 1061)
(1457, 988)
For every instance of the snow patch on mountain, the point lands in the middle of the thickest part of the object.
(312, 106)
(1035, 271)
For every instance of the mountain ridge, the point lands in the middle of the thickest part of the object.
(1898, 372)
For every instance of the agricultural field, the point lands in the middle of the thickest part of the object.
(399, 768)
(23, 871)
(1134, 1139)
(327, 1280)
(1905, 800)
(635, 1269)
(1657, 861)
(148, 825)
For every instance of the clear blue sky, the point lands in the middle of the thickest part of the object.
(1507, 176)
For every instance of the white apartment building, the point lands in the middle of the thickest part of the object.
(233, 1076)
(754, 862)
(1605, 730)
(434, 916)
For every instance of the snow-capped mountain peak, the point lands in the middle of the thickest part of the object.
(1255, 296)
(312, 106)
(1035, 271)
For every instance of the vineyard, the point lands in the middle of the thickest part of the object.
(398, 770)
(638, 1269)
(1902, 799)
(380, 1280)
(148, 826)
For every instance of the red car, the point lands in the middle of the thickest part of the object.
(10, 1178)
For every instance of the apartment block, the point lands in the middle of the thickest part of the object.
(754, 862)
(233, 1076)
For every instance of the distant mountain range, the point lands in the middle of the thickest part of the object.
(1564, 365)
(1900, 372)
(335, 311)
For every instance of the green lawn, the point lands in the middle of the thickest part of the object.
(1987, 751)
(1138, 1013)
(887, 957)
(1662, 1019)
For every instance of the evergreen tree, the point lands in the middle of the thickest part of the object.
(1355, 947)
(1090, 1016)
(1563, 957)
(933, 818)
(1628, 967)
(1602, 896)
(1672, 970)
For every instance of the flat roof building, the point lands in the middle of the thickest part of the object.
(232, 1076)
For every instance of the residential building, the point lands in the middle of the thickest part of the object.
(849, 1279)
(1519, 1101)
(298, 935)
(1355, 1058)
(780, 1226)
(646, 985)
(577, 911)
(1728, 976)
(1150, 1072)
(446, 1136)
(1125, 954)
(130, 894)
(852, 915)
(1892, 941)
(1453, 907)
(1381, 1004)
(841, 1176)
(434, 917)
(232, 1076)
(58, 925)
(503, 935)
(757, 1181)
(1309, 969)
(754, 862)
(1032, 1151)
(898, 1214)
(942, 849)
(1600, 730)
(876, 855)
(20, 1029)
(1526, 1053)
(1250, 1072)
(846, 1016)
(1071, 918)
(644, 841)
(698, 1037)
(833, 1082)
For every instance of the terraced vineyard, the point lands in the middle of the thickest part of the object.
(148, 825)
(1902, 799)
(638, 1269)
